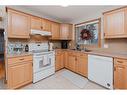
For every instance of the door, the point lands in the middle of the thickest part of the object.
(72, 62)
(59, 61)
(55, 28)
(36, 23)
(19, 75)
(18, 24)
(46, 25)
(66, 59)
(120, 76)
(82, 65)
(65, 31)
(114, 23)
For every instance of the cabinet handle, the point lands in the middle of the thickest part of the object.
(21, 59)
(120, 61)
(120, 68)
(41, 27)
(75, 59)
(114, 68)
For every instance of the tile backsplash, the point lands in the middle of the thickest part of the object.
(16, 47)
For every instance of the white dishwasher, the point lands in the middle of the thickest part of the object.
(100, 70)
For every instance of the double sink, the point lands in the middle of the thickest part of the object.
(84, 50)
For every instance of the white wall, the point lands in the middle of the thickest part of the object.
(96, 15)
(3, 15)
(23, 9)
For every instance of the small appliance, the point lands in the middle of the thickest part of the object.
(64, 44)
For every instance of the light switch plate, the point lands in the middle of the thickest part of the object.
(105, 45)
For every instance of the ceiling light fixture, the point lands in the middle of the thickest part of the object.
(64, 5)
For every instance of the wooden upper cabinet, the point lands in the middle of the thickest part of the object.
(114, 23)
(55, 29)
(120, 73)
(66, 31)
(18, 24)
(46, 25)
(36, 23)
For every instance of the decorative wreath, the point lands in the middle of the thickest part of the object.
(86, 34)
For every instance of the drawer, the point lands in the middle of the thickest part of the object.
(58, 52)
(71, 53)
(19, 59)
(120, 61)
(81, 54)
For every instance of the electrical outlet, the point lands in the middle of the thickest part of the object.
(105, 45)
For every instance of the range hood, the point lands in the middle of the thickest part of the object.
(39, 32)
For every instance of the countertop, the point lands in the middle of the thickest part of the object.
(101, 52)
(20, 54)
(104, 52)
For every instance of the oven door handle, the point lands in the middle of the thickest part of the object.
(42, 65)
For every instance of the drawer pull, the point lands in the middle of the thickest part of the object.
(21, 59)
(120, 61)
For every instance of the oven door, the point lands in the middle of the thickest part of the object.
(40, 63)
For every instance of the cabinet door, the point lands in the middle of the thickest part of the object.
(65, 31)
(114, 24)
(66, 60)
(120, 77)
(72, 62)
(36, 23)
(19, 75)
(59, 62)
(82, 65)
(55, 29)
(18, 24)
(46, 25)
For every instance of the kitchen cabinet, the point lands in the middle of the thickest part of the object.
(18, 24)
(82, 64)
(66, 31)
(114, 23)
(46, 25)
(55, 29)
(72, 61)
(36, 23)
(120, 73)
(66, 65)
(40, 24)
(19, 71)
(59, 61)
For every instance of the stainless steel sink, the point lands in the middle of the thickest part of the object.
(86, 50)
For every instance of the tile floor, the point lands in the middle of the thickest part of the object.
(60, 80)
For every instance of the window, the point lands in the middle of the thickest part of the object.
(92, 28)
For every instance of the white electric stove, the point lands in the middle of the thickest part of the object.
(43, 61)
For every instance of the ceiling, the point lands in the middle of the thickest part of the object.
(68, 13)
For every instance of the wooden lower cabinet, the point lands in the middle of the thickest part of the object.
(19, 73)
(71, 62)
(120, 74)
(66, 65)
(78, 62)
(82, 65)
(59, 60)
